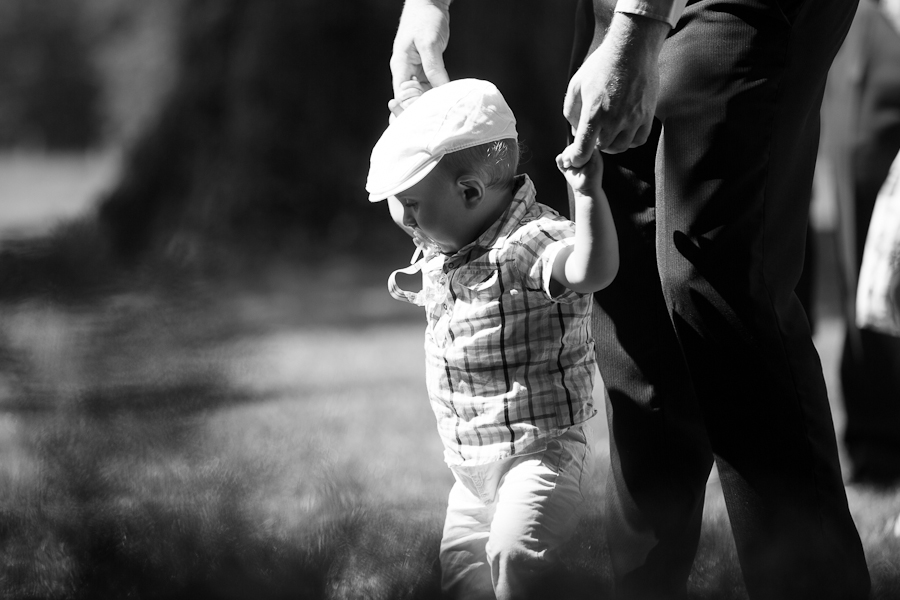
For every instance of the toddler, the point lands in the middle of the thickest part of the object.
(507, 286)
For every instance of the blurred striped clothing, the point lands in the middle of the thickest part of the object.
(508, 366)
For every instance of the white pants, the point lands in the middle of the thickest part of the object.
(507, 520)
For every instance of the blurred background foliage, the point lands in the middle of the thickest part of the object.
(246, 125)
(78, 75)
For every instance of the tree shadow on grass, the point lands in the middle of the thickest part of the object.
(121, 491)
(129, 502)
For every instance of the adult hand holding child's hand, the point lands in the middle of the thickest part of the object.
(408, 92)
(588, 178)
(422, 37)
(611, 99)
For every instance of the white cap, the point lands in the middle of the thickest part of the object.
(451, 117)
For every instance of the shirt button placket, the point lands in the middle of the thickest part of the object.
(444, 281)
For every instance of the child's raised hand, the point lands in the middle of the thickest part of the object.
(409, 93)
(586, 179)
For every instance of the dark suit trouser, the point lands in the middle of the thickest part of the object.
(703, 346)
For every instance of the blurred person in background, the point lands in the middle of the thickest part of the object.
(704, 348)
(860, 139)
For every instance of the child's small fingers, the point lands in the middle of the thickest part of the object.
(569, 156)
(565, 168)
(410, 84)
(408, 93)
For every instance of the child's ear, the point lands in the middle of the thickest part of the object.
(472, 189)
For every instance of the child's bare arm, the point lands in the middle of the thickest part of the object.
(592, 262)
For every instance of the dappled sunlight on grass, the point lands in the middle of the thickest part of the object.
(144, 458)
(238, 445)
(877, 516)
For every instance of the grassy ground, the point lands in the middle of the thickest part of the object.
(235, 445)
(220, 442)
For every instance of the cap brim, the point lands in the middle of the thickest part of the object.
(407, 181)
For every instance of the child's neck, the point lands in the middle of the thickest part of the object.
(495, 203)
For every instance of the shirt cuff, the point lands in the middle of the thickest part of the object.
(668, 11)
(548, 259)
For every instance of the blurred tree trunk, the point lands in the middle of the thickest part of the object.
(262, 146)
(49, 89)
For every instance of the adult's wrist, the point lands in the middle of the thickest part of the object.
(636, 35)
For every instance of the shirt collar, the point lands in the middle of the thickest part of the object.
(523, 200)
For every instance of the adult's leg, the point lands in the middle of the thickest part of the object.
(742, 81)
(660, 455)
(659, 450)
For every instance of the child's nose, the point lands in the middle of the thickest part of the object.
(408, 218)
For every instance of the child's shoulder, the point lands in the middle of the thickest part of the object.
(542, 224)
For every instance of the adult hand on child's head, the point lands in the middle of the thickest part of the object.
(409, 93)
(611, 99)
(419, 45)
(588, 178)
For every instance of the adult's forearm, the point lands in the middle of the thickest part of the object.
(644, 26)
(636, 37)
